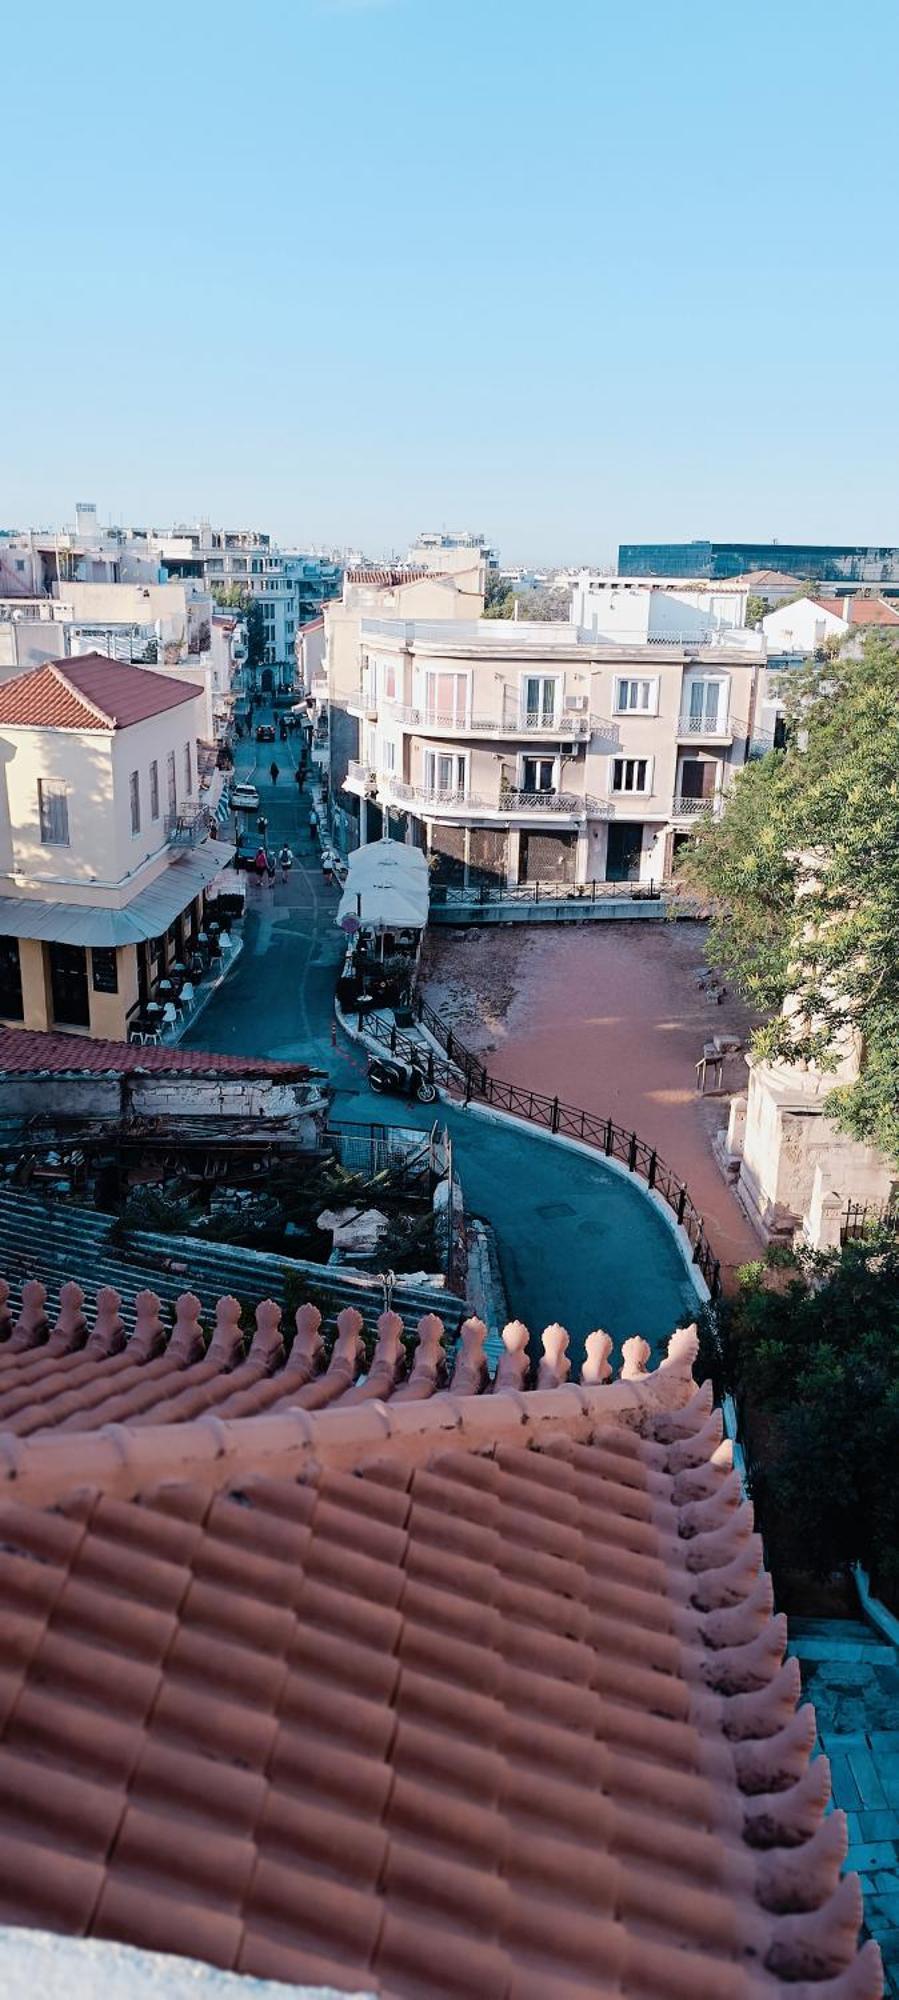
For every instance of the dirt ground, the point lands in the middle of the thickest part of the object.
(611, 1017)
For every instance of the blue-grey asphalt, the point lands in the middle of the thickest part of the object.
(577, 1242)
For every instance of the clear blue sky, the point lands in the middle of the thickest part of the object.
(571, 274)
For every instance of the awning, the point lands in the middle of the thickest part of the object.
(386, 887)
(148, 914)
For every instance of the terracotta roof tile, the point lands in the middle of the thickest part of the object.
(30, 1051)
(861, 610)
(475, 1694)
(91, 692)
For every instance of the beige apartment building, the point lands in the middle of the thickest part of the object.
(521, 752)
(400, 593)
(104, 852)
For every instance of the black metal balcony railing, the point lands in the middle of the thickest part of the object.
(188, 825)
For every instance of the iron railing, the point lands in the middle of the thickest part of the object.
(869, 1218)
(465, 1074)
(444, 896)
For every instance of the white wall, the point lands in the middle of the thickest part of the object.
(800, 627)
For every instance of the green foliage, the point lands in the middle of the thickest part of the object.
(757, 608)
(815, 1362)
(255, 633)
(802, 873)
(499, 600)
(231, 596)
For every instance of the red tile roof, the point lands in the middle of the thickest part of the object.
(391, 579)
(861, 610)
(453, 1695)
(92, 692)
(24, 1049)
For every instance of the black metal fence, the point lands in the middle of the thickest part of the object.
(463, 1073)
(869, 1218)
(446, 897)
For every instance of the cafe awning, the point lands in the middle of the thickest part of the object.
(148, 915)
(386, 887)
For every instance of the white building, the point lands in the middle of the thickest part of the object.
(290, 586)
(445, 550)
(640, 612)
(519, 752)
(104, 857)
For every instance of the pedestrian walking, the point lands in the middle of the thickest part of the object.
(298, 776)
(262, 825)
(261, 863)
(286, 860)
(274, 772)
(313, 824)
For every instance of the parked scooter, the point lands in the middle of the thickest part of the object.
(400, 1079)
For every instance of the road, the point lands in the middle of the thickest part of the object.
(577, 1242)
(279, 1000)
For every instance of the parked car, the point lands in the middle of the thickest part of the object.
(244, 798)
(265, 733)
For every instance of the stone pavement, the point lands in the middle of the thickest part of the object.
(851, 1674)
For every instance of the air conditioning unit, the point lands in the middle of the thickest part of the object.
(576, 703)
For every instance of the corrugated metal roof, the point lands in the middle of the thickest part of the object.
(149, 913)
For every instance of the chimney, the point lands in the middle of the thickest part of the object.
(847, 610)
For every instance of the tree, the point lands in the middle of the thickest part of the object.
(231, 596)
(255, 634)
(757, 608)
(499, 599)
(802, 874)
(815, 1363)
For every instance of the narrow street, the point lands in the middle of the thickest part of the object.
(576, 1241)
(279, 1000)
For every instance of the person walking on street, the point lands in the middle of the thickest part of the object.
(286, 860)
(313, 825)
(298, 776)
(274, 772)
(261, 863)
(262, 826)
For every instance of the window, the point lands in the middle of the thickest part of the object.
(171, 783)
(188, 780)
(154, 790)
(389, 672)
(104, 969)
(706, 707)
(636, 696)
(631, 774)
(134, 796)
(444, 773)
(53, 808)
(538, 774)
(447, 698)
(388, 755)
(11, 1007)
(540, 700)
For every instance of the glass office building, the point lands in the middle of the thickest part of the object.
(831, 562)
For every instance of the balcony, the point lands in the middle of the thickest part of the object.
(710, 728)
(514, 721)
(569, 808)
(188, 825)
(684, 808)
(362, 705)
(361, 780)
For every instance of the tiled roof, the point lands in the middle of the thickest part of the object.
(30, 1050)
(92, 692)
(452, 1694)
(758, 579)
(391, 579)
(861, 610)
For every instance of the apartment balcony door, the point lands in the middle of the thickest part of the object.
(70, 995)
(540, 700)
(698, 778)
(444, 773)
(707, 705)
(446, 699)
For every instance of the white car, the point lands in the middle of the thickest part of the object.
(243, 798)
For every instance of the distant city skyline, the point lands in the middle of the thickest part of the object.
(349, 269)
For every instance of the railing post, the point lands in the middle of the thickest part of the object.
(593, 890)
(632, 1153)
(536, 892)
(430, 1065)
(393, 1038)
(449, 1044)
(359, 1019)
(554, 1116)
(681, 1205)
(651, 1175)
(610, 1138)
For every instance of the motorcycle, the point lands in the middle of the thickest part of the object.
(400, 1079)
